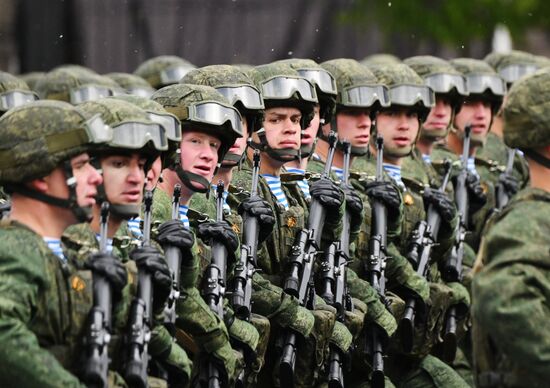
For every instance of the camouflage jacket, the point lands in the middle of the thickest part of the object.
(43, 311)
(511, 295)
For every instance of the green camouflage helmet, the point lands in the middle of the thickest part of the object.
(163, 70)
(132, 84)
(202, 108)
(75, 86)
(39, 136)
(380, 59)
(441, 76)
(324, 82)
(526, 112)
(236, 86)
(406, 88)
(357, 86)
(281, 85)
(160, 115)
(32, 78)
(515, 65)
(13, 92)
(79, 69)
(482, 81)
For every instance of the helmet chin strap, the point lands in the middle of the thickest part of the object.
(532, 154)
(82, 213)
(187, 178)
(232, 160)
(282, 155)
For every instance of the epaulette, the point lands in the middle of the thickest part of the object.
(196, 217)
(493, 165)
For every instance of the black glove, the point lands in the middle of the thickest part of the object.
(219, 231)
(327, 193)
(354, 205)
(510, 184)
(110, 267)
(387, 193)
(477, 196)
(443, 204)
(257, 207)
(151, 260)
(173, 233)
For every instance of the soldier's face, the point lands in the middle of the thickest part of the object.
(310, 133)
(124, 178)
(354, 126)
(199, 154)
(398, 126)
(282, 128)
(477, 113)
(440, 115)
(153, 174)
(240, 144)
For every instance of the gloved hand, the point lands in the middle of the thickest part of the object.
(257, 207)
(219, 231)
(510, 184)
(477, 196)
(387, 193)
(151, 260)
(442, 203)
(328, 194)
(354, 203)
(111, 268)
(173, 233)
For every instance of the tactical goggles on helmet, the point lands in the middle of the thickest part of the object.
(15, 98)
(141, 92)
(250, 97)
(320, 77)
(170, 123)
(445, 83)
(136, 135)
(409, 95)
(280, 88)
(90, 93)
(172, 75)
(214, 113)
(512, 73)
(479, 83)
(365, 96)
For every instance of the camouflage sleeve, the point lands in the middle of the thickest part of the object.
(22, 361)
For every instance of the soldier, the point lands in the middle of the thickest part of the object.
(510, 293)
(124, 161)
(132, 84)
(210, 126)
(399, 126)
(45, 297)
(163, 70)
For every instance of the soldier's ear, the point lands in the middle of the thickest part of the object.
(40, 184)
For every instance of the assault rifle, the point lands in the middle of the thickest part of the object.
(141, 315)
(96, 364)
(300, 282)
(241, 292)
(502, 195)
(374, 268)
(452, 268)
(423, 239)
(173, 259)
(333, 272)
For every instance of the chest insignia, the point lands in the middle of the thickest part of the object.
(78, 284)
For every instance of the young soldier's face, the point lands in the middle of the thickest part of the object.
(398, 126)
(153, 174)
(354, 126)
(86, 176)
(310, 133)
(199, 154)
(477, 113)
(439, 117)
(240, 144)
(282, 128)
(124, 178)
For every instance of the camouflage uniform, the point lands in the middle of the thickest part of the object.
(510, 291)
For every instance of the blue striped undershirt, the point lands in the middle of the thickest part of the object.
(183, 216)
(55, 246)
(427, 158)
(339, 172)
(471, 165)
(274, 183)
(302, 183)
(395, 173)
(134, 226)
(108, 245)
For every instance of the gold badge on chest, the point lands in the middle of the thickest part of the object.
(408, 199)
(77, 283)
(291, 222)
